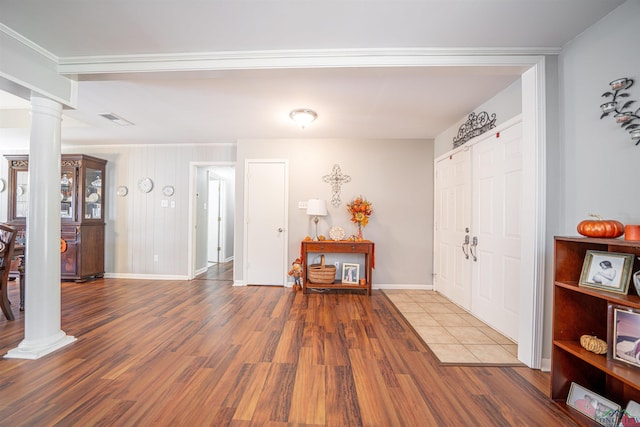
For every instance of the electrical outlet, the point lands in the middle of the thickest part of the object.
(337, 264)
(155, 258)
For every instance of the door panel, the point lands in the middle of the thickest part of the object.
(214, 217)
(452, 223)
(496, 223)
(265, 216)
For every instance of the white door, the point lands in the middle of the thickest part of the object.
(265, 221)
(496, 229)
(452, 222)
(215, 218)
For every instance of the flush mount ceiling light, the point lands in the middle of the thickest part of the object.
(303, 117)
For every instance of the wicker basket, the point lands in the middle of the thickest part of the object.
(321, 274)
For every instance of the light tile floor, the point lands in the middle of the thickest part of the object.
(452, 334)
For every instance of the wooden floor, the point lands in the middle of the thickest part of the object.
(204, 353)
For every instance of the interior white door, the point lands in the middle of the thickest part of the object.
(452, 222)
(215, 219)
(265, 220)
(496, 229)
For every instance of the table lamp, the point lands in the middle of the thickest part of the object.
(316, 208)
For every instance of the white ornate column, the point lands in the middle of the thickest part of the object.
(42, 269)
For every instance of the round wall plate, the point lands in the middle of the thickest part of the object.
(1, 185)
(336, 233)
(168, 190)
(145, 185)
(122, 191)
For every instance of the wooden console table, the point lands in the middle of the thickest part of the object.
(365, 247)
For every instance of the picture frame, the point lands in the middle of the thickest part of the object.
(631, 415)
(350, 273)
(608, 271)
(624, 335)
(601, 410)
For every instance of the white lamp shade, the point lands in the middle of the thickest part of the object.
(303, 117)
(316, 207)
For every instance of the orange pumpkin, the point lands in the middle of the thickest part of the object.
(598, 227)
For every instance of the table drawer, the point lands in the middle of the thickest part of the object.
(342, 247)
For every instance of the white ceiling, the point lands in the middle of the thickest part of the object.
(226, 105)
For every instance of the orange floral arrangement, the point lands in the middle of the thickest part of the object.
(360, 210)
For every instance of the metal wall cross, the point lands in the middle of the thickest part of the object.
(336, 179)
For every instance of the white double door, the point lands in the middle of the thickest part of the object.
(478, 227)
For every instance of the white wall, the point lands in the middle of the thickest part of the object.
(395, 175)
(506, 105)
(601, 164)
(592, 165)
(137, 227)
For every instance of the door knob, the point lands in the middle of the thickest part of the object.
(474, 244)
(280, 229)
(465, 243)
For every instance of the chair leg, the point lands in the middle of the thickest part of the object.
(5, 304)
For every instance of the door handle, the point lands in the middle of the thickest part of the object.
(465, 243)
(474, 244)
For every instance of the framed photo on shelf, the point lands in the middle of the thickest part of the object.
(594, 406)
(631, 415)
(624, 334)
(350, 273)
(608, 271)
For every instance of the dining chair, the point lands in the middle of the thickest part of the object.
(7, 241)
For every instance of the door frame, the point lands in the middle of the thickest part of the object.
(245, 237)
(191, 237)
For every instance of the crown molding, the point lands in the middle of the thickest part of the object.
(25, 41)
(210, 61)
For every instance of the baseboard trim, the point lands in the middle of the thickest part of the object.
(144, 276)
(403, 286)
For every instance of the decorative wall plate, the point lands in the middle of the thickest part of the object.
(20, 190)
(93, 197)
(336, 233)
(1, 185)
(145, 185)
(168, 190)
(122, 191)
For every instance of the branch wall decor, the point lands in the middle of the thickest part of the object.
(474, 126)
(623, 114)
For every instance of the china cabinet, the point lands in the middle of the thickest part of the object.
(82, 196)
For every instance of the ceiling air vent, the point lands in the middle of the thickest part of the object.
(116, 119)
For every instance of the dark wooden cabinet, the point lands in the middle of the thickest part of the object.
(581, 311)
(82, 207)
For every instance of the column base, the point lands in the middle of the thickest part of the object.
(35, 350)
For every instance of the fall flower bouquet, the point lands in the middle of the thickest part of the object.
(360, 210)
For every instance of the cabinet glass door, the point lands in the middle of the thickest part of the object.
(22, 194)
(93, 194)
(66, 195)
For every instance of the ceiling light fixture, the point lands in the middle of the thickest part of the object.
(303, 117)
